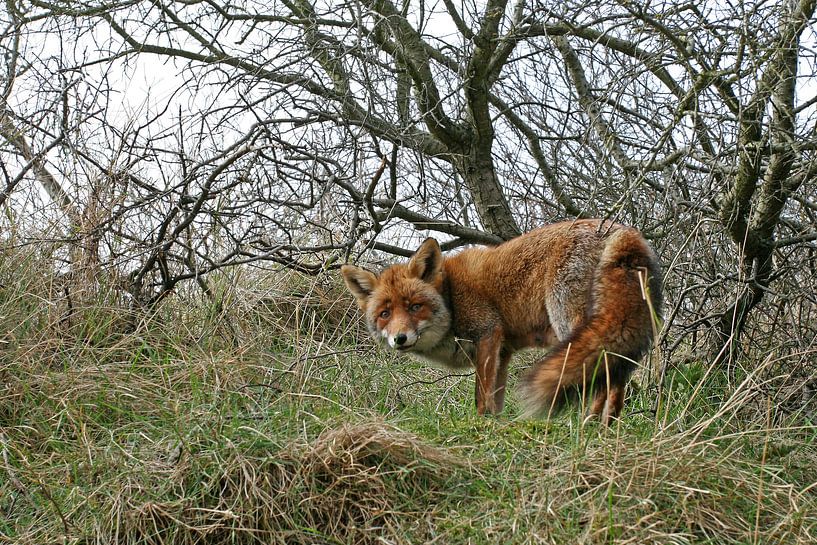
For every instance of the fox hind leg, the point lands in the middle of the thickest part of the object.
(608, 401)
(599, 403)
(615, 403)
(610, 381)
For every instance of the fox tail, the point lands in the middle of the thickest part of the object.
(599, 355)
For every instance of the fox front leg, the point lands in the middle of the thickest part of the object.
(501, 381)
(491, 372)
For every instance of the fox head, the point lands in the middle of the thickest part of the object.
(404, 306)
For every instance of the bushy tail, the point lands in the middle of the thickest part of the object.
(619, 330)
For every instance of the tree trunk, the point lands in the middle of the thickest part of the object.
(477, 170)
(758, 272)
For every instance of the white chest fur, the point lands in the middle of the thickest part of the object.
(451, 352)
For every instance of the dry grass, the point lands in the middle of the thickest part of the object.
(259, 422)
(666, 491)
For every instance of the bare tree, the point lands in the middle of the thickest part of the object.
(297, 130)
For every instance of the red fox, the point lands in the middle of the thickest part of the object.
(590, 289)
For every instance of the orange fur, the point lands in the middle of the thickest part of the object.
(575, 286)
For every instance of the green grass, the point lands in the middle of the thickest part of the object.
(267, 423)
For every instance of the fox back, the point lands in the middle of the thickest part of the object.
(589, 289)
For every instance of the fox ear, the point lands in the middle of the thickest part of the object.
(359, 281)
(427, 262)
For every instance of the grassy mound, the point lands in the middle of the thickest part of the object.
(349, 485)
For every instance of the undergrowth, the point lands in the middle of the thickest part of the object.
(266, 416)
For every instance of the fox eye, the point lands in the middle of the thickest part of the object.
(415, 307)
(385, 314)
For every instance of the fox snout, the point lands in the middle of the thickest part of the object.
(401, 340)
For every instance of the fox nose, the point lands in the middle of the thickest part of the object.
(400, 339)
